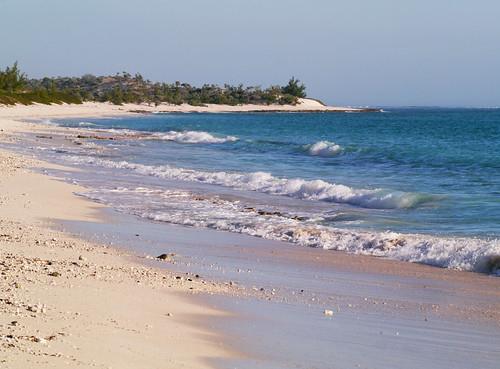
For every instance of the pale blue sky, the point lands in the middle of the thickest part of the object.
(385, 52)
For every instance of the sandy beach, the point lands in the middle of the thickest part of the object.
(71, 303)
(249, 185)
(68, 301)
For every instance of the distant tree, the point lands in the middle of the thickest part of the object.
(117, 96)
(12, 80)
(138, 77)
(53, 87)
(287, 99)
(295, 88)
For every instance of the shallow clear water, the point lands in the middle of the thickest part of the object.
(415, 184)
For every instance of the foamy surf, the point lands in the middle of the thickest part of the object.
(86, 124)
(323, 148)
(208, 211)
(317, 190)
(183, 137)
(193, 137)
(393, 167)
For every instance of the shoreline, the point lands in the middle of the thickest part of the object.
(45, 136)
(17, 125)
(241, 251)
(24, 207)
(285, 292)
(95, 109)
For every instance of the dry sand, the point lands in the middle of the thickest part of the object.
(69, 303)
(106, 109)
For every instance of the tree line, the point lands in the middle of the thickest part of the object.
(16, 87)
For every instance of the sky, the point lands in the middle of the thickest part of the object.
(349, 52)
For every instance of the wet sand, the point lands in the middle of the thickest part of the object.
(385, 313)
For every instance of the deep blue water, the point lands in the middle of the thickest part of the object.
(451, 157)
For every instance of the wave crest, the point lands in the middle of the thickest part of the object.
(208, 211)
(318, 190)
(323, 148)
(192, 137)
(184, 137)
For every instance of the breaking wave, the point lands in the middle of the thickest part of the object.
(192, 137)
(318, 190)
(190, 209)
(323, 148)
(183, 137)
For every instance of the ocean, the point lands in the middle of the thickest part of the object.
(418, 185)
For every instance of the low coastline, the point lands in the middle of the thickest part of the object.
(34, 204)
(95, 109)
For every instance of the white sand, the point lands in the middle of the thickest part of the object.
(106, 109)
(67, 303)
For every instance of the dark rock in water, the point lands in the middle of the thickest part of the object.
(264, 212)
(140, 111)
(166, 256)
(94, 137)
(490, 264)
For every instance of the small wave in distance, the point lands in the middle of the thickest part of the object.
(323, 148)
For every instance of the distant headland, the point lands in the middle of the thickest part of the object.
(126, 89)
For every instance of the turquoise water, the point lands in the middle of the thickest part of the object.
(416, 184)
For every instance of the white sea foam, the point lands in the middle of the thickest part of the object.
(324, 148)
(186, 208)
(318, 190)
(184, 137)
(120, 131)
(192, 137)
(86, 124)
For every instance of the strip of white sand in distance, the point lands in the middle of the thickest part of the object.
(68, 303)
(106, 109)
